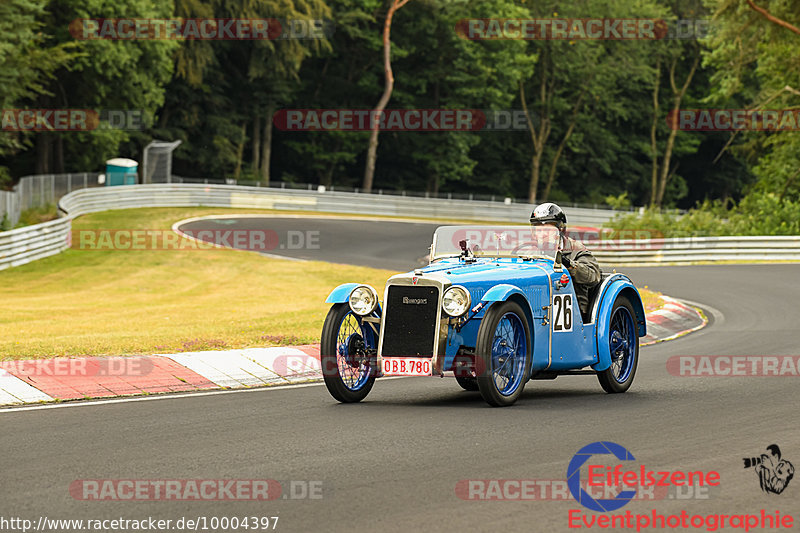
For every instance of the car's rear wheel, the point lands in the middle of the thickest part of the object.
(623, 343)
(467, 383)
(347, 351)
(464, 372)
(503, 350)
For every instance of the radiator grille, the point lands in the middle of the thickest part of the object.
(410, 326)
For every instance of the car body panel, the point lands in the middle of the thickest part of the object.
(612, 287)
(341, 294)
(560, 340)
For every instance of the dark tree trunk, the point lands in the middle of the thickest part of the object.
(256, 149)
(388, 85)
(266, 144)
(43, 149)
(59, 155)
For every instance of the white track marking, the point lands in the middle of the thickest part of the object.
(166, 396)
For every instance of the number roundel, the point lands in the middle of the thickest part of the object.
(562, 312)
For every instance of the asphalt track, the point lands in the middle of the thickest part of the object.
(392, 463)
(398, 246)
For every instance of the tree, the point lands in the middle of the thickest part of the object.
(388, 85)
(757, 54)
(678, 92)
(578, 86)
(259, 75)
(27, 65)
(103, 74)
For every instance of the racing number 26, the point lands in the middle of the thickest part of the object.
(562, 312)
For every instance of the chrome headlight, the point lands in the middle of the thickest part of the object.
(363, 300)
(456, 301)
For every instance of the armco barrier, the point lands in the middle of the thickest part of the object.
(687, 250)
(30, 243)
(27, 244)
(85, 201)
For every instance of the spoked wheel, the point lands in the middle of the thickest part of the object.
(347, 351)
(623, 343)
(503, 354)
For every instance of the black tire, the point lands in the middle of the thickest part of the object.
(486, 379)
(464, 372)
(619, 379)
(467, 383)
(333, 363)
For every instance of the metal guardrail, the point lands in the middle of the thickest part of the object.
(472, 197)
(327, 202)
(688, 250)
(28, 244)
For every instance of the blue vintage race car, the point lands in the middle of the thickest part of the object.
(494, 308)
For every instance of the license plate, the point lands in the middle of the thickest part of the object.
(406, 366)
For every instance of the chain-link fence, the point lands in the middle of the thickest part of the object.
(157, 164)
(40, 191)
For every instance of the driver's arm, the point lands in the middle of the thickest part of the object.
(584, 268)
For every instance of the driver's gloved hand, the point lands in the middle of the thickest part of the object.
(565, 261)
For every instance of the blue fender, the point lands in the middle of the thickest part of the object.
(621, 285)
(505, 292)
(341, 294)
(500, 293)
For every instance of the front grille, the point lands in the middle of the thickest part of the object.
(410, 326)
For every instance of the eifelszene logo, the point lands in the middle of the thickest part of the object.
(574, 476)
(616, 477)
(774, 473)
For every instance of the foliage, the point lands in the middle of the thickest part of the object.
(759, 213)
(604, 106)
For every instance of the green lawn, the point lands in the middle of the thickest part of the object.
(138, 302)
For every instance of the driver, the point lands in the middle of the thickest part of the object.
(581, 264)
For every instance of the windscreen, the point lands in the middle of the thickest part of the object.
(496, 241)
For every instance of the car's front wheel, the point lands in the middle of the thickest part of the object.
(503, 351)
(347, 351)
(623, 343)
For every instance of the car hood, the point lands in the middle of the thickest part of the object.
(487, 271)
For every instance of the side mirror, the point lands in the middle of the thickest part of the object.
(557, 264)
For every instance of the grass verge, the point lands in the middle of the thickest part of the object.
(136, 302)
(651, 300)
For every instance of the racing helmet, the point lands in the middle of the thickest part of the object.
(549, 213)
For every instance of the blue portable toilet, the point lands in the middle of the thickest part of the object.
(121, 171)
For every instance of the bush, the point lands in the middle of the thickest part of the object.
(759, 213)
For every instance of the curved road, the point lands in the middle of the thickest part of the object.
(392, 463)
